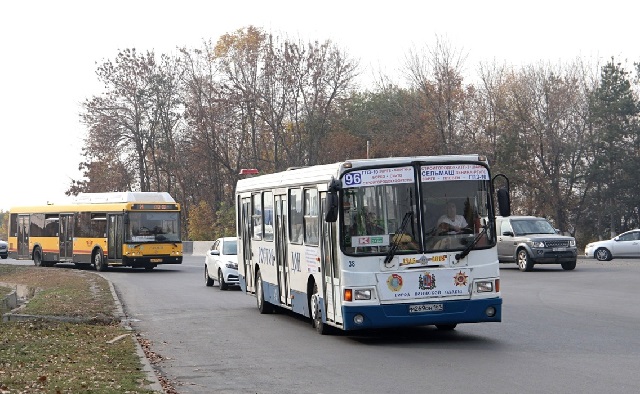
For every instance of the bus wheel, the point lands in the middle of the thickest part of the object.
(316, 314)
(37, 257)
(223, 285)
(98, 261)
(263, 306)
(149, 267)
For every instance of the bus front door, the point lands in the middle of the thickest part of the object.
(65, 237)
(282, 264)
(115, 236)
(329, 266)
(23, 237)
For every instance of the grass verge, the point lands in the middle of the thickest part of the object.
(97, 355)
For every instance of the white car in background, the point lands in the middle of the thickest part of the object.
(221, 263)
(624, 245)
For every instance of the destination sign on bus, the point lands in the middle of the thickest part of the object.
(454, 172)
(378, 176)
(155, 207)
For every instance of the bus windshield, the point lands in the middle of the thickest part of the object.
(375, 202)
(455, 206)
(380, 209)
(153, 227)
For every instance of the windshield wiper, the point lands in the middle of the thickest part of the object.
(397, 238)
(465, 252)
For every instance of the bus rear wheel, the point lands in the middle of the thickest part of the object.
(37, 257)
(98, 261)
(263, 306)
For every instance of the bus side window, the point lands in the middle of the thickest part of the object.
(295, 216)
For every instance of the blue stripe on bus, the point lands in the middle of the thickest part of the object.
(397, 315)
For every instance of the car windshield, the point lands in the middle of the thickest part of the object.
(230, 247)
(532, 226)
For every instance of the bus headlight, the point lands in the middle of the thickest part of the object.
(485, 286)
(361, 294)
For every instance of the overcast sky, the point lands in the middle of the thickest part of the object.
(50, 49)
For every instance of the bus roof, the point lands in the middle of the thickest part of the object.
(103, 202)
(324, 172)
(115, 197)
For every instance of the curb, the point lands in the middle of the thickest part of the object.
(146, 365)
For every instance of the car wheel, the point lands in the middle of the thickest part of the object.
(223, 285)
(568, 266)
(446, 327)
(4, 257)
(524, 261)
(263, 306)
(603, 254)
(37, 257)
(207, 279)
(316, 314)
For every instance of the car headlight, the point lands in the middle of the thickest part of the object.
(572, 242)
(232, 265)
(537, 244)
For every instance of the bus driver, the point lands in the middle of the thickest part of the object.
(451, 222)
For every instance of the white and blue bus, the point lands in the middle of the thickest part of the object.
(374, 243)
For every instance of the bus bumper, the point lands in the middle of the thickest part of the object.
(397, 315)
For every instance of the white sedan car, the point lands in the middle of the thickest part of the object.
(221, 263)
(624, 245)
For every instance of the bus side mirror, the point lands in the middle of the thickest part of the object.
(504, 203)
(331, 207)
(331, 204)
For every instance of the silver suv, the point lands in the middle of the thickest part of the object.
(529, 240)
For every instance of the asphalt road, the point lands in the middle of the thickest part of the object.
(562, 332)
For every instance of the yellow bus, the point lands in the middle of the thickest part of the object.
(128, 229)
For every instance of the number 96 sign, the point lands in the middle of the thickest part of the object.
(353, 178)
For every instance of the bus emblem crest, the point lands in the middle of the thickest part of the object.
(427, 281)
(394, 282)
(460, 279)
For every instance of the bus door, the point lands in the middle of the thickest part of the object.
(65, 236)
(23, 236)
(245, 237)
(115, 236)
(280, 211)
(329, 266)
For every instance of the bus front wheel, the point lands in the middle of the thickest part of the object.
(316, 313)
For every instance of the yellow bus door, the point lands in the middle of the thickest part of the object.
(115, 236)
(23, 237)
(65, 236)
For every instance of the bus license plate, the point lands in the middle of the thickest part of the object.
(156, 260)
(425, 308)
